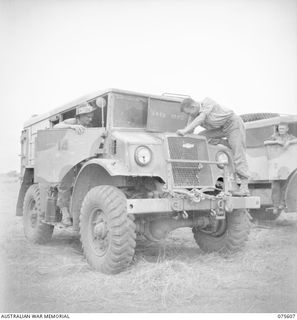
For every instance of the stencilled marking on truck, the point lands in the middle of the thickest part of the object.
(47, 141)
(63, 144)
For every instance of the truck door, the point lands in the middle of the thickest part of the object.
(59, 150)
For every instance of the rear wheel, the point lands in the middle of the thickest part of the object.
(230, 234)
(35, 230)
(107, 231)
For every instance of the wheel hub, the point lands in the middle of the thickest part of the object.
(33, 216)
(216, 227)
(100, 233)
(100, 230)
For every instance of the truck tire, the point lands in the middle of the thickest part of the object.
(231, 239)
(107, 232)
(257, 116)
(262, 214)
(35, 230)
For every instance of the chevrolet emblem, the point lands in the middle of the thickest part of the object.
(188, 145)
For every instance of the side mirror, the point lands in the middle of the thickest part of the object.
(100, 102)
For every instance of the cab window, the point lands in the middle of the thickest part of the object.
(98, 115)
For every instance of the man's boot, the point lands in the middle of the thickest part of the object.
(243, 189)
(66, 221)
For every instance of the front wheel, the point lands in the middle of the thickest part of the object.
(107, 232)
(35, 230)
(230, 235)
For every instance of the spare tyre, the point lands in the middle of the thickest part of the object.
(258, 116)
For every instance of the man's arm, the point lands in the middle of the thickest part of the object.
(274, 139)
(191, 126)
(70, 124)
(267, 142)
(196, 122)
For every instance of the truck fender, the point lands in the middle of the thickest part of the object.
(95, 172)
(27, 180)
(112, 166)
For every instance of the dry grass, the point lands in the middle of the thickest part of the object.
(172, 276)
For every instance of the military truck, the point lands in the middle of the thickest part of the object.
(134, 177)
(271, 164)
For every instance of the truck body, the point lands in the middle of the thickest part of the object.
(273, 167)
(130, 176)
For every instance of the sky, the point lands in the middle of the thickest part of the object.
(241, 53)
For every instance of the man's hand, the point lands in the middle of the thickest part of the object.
(286, 144)
(79, 129)
(214, 141)
(181, 132)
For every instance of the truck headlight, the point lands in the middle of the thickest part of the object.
(223, 158)
(143, 155)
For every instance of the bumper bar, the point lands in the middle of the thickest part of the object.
(155, 205)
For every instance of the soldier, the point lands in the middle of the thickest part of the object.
(281, 136)
(84, 116)
(219, 123)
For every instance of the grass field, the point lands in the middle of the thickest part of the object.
(171, 276)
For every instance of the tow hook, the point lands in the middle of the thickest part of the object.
(219, 213)
(185, 215)
(221, 210)
(182, 215)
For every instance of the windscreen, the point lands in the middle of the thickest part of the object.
(165, 116)
(129, 111)
(153, 114)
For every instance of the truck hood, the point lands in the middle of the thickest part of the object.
(137, 137)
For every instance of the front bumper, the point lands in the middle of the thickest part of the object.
(166, 205)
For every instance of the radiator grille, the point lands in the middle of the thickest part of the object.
(189, 174)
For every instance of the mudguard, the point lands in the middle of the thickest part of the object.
(113, 166)
(97, 172)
